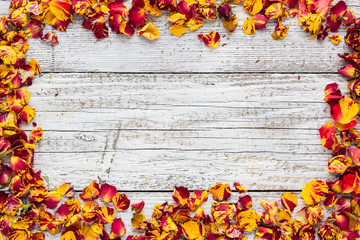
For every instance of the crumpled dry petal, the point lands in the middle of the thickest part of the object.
(220, 192)
(211, 39)
(314, 192)
(149, 31)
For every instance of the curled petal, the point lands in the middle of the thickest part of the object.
(167, 224)
(35, 29)
(107, 192)
(230, 23)
(339, 8)
(36, 134)
(260, 21)
(249, 26)
(8, 55)
(348, 17)
(138, 207)
(354, 153)
(3, 25)
(332, 94)
(344, 111)
(5, 175)
(137, 17)
(118, 8)
(275, 10)
(199, 198)
(89, 210)
(178, 28)
(139, 221)
(51, 38)
(349, 71)
(193, 230)
(335, 39)
(328, 136)
(240, 189)
(91, 192)
(19, 18)
(117, 228)
(246, 201)
(223, 212)
(149, 31)
(220, 192)
(247, 220)
(52, 199)
(314, 192)
(121, 202)
(322, 7)
(350, 181)
(211, 39)
(280, 32)
(339, 164)
(289, 201)
(334, 22)
(105, 214)
(253, 6)
(61, 9)
(181, 195)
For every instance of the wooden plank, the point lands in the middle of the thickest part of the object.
(155, 131)
(153, 198)
(79, 51)
(93, 102)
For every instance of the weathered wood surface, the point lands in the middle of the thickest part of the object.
(79, 51)
(155, 131)
(148, 116)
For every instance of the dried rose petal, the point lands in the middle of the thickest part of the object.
(253, 6)
(335, 39)
(289, 201)
(220, 192)
(249, 26)
(138, 207)
(107, 192)
(314, 192)
(36, 134)
(139, 221)
(117, 228)
(240, 188)
(211, 39)
(149, 31)
(35, 29)
(91, 192)
(51, 38)
(121, 202)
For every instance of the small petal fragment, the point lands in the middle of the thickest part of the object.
(36, 134)
(211, 39)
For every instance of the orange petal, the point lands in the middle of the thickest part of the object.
(220, 192)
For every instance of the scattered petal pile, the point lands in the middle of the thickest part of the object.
(28, 208)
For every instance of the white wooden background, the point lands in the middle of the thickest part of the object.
(148, 116)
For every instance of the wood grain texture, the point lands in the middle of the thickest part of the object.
(79, 51)
(156, 131)
(248, 111)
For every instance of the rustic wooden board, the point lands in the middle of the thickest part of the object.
(79, 51)
(173, 112)
(156, 131)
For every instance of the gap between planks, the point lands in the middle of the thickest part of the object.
(195, 73)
